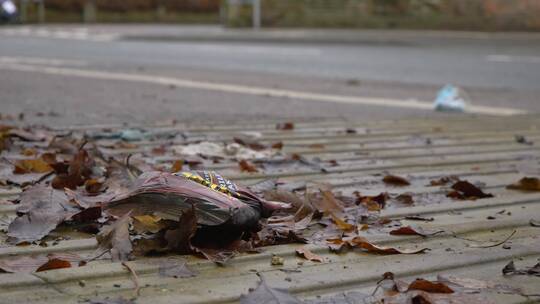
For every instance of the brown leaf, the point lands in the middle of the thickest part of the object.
(277, 145)
(408, 230)
(372, 203)
(37, 165)
(34, 263)
(360, 242)
(405, 198)
(308, 255)
(526, 184)
(466, 191)
(429, 286)
(116, 238)
(54, 264)
(246, 166)
(444, 180)
(79, 170)
(285, 126)
(93, 186)
(395, 180)
(328, 203)
(341, 224)
(179, 239)
(177, 166)
(42, 209)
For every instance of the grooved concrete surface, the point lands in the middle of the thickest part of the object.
(478, 149)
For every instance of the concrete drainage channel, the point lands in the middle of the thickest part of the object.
(355, 156)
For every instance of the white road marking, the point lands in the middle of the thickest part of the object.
(70, 34)
(247, 90)
(511, 58)
(42, 61)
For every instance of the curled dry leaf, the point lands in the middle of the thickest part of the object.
(430, 286)
(308, 255)
(179, 239)
(115, 237)
(395, 180)
(372, 203)
(337, 244)
(79, 170)
(526, 184)
(246, 166)
(177, 166)
(464, 190)
(444, 180)
(408, 230)
(341, 224)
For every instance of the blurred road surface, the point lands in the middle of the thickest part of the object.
(104, 74)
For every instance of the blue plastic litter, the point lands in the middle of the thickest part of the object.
(451, 99)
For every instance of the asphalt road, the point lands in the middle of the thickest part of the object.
(100, 75)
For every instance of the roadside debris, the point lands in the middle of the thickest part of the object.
(526, 184)
(463, 190)
(521, 139)
(510, 269)
(451, 99)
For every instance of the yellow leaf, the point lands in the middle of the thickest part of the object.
(150, 223)
(37, 165)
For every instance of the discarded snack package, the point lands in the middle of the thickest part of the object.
(216, 200)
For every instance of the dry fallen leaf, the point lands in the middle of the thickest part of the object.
(148, 223)
(37, 165)
(36, 263)
(408, 230)
(395, 180)
(464, 190)
(115, 237)
(177, 166)
(337, 244)
(179, 239)
(246, 166)
(429, 286)
(341, 224)
(42, 209)
(308, 255)
(526, 184)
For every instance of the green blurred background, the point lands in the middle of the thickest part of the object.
(489, 15)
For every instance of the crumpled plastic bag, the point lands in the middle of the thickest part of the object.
(451, 99)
